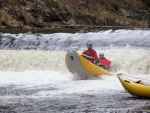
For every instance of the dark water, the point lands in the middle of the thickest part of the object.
(21, 100)
(70, 29)
(43, 31)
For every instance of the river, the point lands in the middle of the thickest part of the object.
(34, 78)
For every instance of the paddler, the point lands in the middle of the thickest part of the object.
(102, 61)
(90, 54)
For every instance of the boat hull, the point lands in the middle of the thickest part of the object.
(133, 88)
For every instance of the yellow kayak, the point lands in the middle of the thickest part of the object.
(135, 86)
(79, 65)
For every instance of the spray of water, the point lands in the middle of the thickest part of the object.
(127, 60)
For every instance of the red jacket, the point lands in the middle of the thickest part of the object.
(90, 53)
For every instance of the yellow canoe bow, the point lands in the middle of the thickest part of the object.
(79, 65)
(132, 86)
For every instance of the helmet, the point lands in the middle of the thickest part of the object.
(101, 53)
(89, 43)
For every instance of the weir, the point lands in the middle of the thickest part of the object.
(127, 49)
(128, 60)
(64, 41)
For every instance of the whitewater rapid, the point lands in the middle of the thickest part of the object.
(127, 49)
(64, 41)
(128, 60)
(32, 66)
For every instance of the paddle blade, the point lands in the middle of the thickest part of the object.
(105, 62)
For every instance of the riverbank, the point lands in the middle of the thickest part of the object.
(53, 14)
(70, 29)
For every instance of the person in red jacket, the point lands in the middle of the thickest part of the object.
(90, 54)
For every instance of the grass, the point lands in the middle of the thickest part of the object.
(8, 20)
(26, 17)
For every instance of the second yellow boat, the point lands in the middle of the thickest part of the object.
(135, 86)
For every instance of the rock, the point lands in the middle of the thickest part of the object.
(72, 22)
(114, 7)
(124, 12)
(27, 27)
(39, 25)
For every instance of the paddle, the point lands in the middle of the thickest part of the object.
(86, 56)
(105, 62)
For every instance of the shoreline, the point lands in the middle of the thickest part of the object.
(69, 29)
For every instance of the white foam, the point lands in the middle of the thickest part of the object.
(39, 67)
(128, 60)
(11, 60)
(32, 78)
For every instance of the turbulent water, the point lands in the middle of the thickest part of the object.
(34, 77)
(65, 41)
(127, 49)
